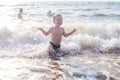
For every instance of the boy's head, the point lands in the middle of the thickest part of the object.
(57, 19)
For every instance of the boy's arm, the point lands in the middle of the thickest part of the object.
(45, 32)
(67, 34)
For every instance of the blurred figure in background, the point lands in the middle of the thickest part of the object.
(20, 14)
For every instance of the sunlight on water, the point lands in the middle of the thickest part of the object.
(91, 53)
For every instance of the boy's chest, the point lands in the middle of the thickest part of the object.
(57, 31)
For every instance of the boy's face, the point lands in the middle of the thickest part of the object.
(58, 20)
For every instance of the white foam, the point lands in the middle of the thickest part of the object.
(87, 37)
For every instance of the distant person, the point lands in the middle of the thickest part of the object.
(50, 14)
(56, 34)
(20, 14)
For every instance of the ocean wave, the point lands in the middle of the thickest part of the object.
(87, 37)
(109, 15)
(100, 15)
(5, 33)
(87, 9)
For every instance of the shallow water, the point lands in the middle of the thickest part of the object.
(80, 66)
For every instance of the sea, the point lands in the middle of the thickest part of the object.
(91, 53)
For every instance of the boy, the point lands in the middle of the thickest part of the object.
(56, 34)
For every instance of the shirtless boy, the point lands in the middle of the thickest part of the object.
(56, 34)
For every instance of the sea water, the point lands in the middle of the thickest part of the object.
(92, 51)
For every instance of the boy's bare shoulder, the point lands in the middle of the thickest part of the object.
(52, 27)
(62, 28)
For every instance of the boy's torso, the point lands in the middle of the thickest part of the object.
(56, 34)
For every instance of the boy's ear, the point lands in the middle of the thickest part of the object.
(54, 21)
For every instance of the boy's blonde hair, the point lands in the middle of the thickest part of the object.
(56, 16)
